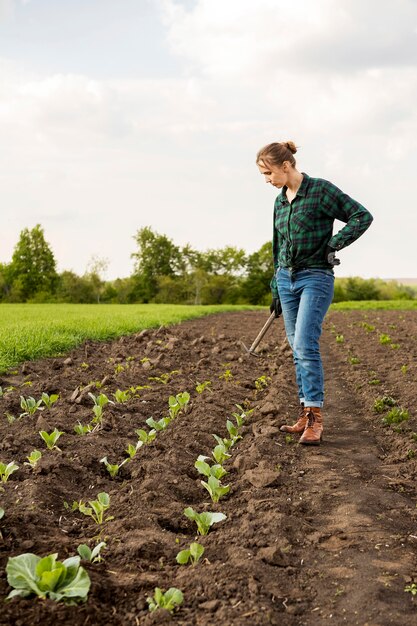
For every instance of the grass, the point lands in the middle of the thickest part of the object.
(32, 331)
(375, 304)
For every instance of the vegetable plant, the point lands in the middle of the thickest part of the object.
(193, 554)
(160, 424)
(178, 403)
(98, 414)
(384, 339)
(411, 589)
(33, 458)
(220, 454)
(82, 429)
(96, 509)
(382, 403)
(100, 400)
(354, 360)
(121, 396)
(49, 400)
(113, 470)
(145, 437)
(200, 387)
(215, 488)
(51, 438)
(242, 415)
(204, 468)
(395, 416)
(131, 449)
(404, 369)
(204, 520)
(92, 556)
(233, 432)
(340, 339)
(30, 405)
(7, 470)
(169, 600)
(46, 577)
(227, 375)
(261, 382)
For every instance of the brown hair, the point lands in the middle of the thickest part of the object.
(276, 153)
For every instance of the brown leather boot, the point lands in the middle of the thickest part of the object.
(299, 426)
(313, 431)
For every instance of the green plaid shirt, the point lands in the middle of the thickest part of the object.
(304, 227)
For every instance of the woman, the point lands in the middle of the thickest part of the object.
(304, 249)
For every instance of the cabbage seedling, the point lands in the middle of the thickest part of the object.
(204, 468)
(215, 489)
(49, 400)
(33, 458)
(169, 600)
(204, 520)
(220, 454)
(92, 556)
(200, 387)
(121, 396)
(51, 438)
(80, 429)
(241, 417)
(29, 574)
(98, 414)
(113, 470)
(7, 470)
(193, 554)
(395, 416)
(131, 449)
(233, 432)
(100, 400)
(160, 424)
(145, 437)
(96, 509)
(30, 405)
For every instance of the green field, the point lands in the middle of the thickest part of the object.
(31, 331)
(376, 304)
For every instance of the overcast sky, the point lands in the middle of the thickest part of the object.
(116, 115)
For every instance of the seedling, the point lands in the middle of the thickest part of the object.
(204, 520)
(100, 400)
(353, 360)
(82, 429)
(84, 365)
(374, 381)
(241, 417)
(33, 458)
(340, 339)
(411, 454)
(51, 438)
(145, 437)
(193, 554)
(121, 396)
(29, 574)
(98, 414)
(384, 339)
(233, 432)
(200, 387)
(178, 403)
(10, 418)
(223, 441)
(368, 327)
(161, 424)
(411, 589)
(227, 375)
(382, 403)
(164, 378)
(289, 439)
(49, 400)
(220, 454)
(92, 556)
(204, 468)
(215, 488)
(96, 509)
(404, 369)
(262, 382)
(30, 405)
(131, 449)
(169, 600)
(395, 346)
(395, 416)
(120, 368)
(113, 470)
(7, 470)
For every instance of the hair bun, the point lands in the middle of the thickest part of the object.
(291, 146)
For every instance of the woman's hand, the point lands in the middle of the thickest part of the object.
(276, 307)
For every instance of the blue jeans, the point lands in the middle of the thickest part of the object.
(305, 297)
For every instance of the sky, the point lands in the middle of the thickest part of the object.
(120, 115)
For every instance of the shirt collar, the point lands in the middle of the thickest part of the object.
(301, 191)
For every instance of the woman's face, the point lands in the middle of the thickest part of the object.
(276, 175)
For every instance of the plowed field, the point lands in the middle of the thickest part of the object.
(312, 535)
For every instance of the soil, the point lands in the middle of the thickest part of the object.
(313, 535)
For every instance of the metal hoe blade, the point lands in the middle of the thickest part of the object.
(259, 337)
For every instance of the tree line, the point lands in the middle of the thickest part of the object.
(163, 272)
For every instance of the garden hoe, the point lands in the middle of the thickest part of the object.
(261, 335)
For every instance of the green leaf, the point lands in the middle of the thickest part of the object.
(21, 572)
(203, 468)
(183, 557)
(84, 552)
(196, 551)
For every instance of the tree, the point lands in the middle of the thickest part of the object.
(96, 269)
(157, 256)
(260, 269)
(33, 266)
